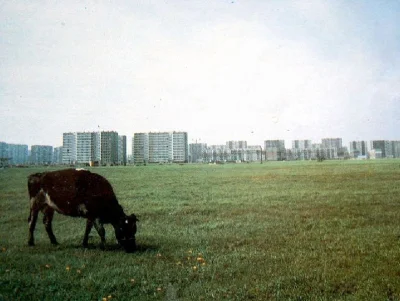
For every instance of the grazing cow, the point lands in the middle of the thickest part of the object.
(79, 193)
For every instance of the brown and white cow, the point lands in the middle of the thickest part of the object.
(79, 193)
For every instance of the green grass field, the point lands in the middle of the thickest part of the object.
(273, 231)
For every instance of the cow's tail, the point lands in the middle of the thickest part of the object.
(33, 189)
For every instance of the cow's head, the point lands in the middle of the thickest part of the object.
(126, 231)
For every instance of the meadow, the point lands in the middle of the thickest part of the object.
(274, 231)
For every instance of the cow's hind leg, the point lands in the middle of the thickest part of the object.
(32, 224)
(47, 220)
(100, 229)
(89, 225)
(36, 203)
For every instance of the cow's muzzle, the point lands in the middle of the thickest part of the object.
(128, 244)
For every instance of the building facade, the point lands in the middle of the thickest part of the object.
(180, 147)
(160, 147)
(241, 144)
(92, 148)
(18, 154)
(57, 155)
(395, 145)
(274, 150)
(331, 143)
(69, 148)
(140, 148)
(197, 152)
(358, 149)
(301, 150)
(87, 148)
(4, 159)
(380, 148)
(41, 154)
(109, 148)
(122, 159)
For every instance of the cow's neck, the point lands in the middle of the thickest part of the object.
(114, 216)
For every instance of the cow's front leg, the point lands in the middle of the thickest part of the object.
(47, 220)
(89, 225)
(100, 229)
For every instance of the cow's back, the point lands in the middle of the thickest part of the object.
(77, 192)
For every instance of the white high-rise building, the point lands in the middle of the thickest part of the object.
(90, 148)
(180, 148)
(140, 148)
(69, 148)
(84, 147)
(160, 147)
(109, 148)
(122, 150)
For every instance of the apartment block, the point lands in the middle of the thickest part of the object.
(41, 154)
(385, 149)
(180, 149)
(331, 143)
(358, 149)
(69, 155)
(160, 147)
(218, 153)
(301, 150)
(3, 150)
(301, 144)
(140, 148)
(122, 150)
(57, 155)
(236, 144)
(109, 148)
(380, 148)
(18, 154)
(86, 147)
(253, 153)
(4, 154)
(91, 148)
(197, 152)
(274, 150)
(395, 145)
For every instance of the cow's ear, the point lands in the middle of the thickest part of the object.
(133, 216)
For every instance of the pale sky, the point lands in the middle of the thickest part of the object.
(220, 70)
